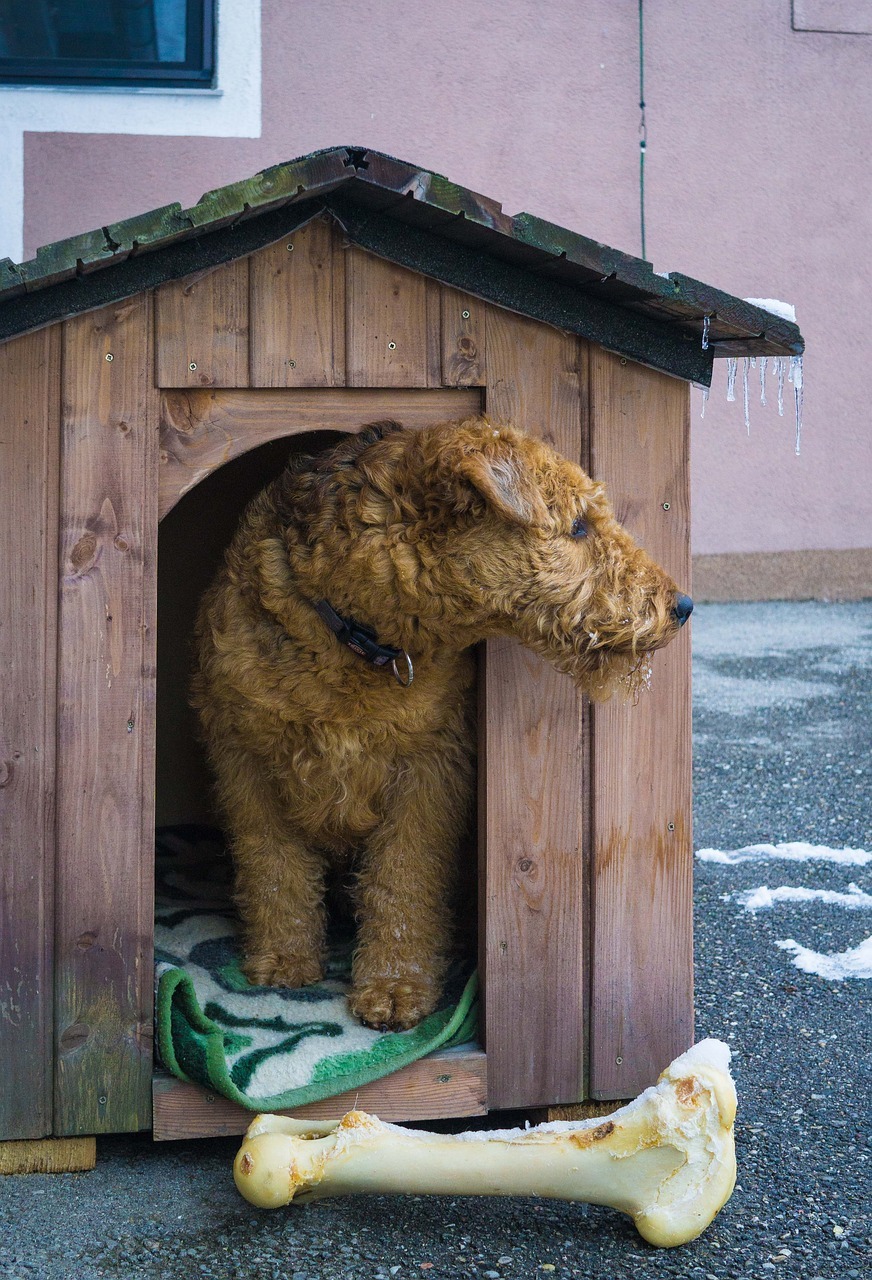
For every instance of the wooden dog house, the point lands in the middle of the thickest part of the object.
(320, 295)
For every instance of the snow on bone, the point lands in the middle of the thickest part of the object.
(667, 1159)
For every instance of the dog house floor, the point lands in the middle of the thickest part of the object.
(448, 1083)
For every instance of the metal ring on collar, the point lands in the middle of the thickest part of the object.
(410, 673)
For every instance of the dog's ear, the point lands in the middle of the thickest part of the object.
(503, 478)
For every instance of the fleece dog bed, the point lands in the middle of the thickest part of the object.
(266, 1048)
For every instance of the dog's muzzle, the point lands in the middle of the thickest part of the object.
(682, 609)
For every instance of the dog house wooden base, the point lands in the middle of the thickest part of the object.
(111, 415)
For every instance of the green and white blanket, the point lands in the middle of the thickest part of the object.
(266, 1048)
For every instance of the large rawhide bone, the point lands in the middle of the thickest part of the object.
(667, 1159)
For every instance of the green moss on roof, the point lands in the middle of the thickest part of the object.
(418, 218)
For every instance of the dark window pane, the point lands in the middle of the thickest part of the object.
(146, 42)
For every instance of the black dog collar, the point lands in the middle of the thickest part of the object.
(363, 641)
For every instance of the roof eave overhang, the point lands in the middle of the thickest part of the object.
(422, 221)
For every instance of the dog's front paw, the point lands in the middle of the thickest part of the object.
(393, 1004)
(279, 969)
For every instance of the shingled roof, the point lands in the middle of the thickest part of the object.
(420, 220)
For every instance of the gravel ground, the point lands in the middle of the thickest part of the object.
(782, 752)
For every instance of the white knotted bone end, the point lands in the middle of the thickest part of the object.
(667, 1159)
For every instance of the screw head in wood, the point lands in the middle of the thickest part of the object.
(465, 315)
(290, 248)
(670, 826)
(109, 356)
(292, 364)
(623, 359)
(192, 366)
(392, 346)
(619, 1061)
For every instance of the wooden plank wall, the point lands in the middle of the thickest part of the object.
(298, 311)
(29, 416)
(105, 873)
(642, 980)
(531, 863)
(309, 311)
(202, 321)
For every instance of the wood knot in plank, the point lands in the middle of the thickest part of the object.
(84, 553)
(74, 1037)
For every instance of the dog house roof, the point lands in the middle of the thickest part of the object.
(422, 221)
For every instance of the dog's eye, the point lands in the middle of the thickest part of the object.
(579, 528)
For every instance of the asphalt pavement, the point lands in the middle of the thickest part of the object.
(782, 753)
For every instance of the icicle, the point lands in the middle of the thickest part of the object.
(779, 369)
(705, 396)
(753, 362)
(706, 321)
(746, 365)
(764, 360)
(796, 379)
(732, 364)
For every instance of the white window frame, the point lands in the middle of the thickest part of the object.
(230, 110)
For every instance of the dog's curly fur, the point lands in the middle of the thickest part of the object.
(435, 538)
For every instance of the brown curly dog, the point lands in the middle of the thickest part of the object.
(387, 558)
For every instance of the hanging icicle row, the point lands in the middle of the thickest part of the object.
(791, 367)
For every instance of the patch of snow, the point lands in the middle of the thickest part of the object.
(739, 695)
(764, 898)
(786, 627)
(778, 308)
(856, 962)
(789, 852)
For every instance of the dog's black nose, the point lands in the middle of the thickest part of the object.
(683, 609)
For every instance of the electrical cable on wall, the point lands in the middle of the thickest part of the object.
(643, 128)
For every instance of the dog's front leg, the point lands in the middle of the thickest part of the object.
(279, 893)
(406, 891)
(279, 878)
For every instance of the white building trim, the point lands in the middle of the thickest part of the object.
(232, 110)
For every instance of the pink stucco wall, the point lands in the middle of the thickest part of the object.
(758, 181)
